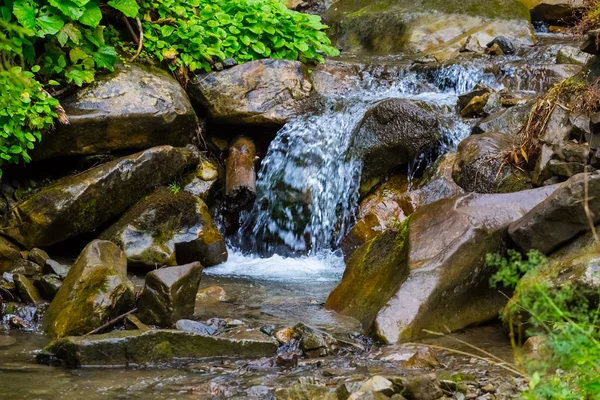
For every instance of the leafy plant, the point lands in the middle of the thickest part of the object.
(510, 269)
(174, 187)
(198, 33)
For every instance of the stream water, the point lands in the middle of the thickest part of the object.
(283, 263)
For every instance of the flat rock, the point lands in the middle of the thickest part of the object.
(123, 348)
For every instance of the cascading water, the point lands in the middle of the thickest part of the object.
(307, 187)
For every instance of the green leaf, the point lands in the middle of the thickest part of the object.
(69, 31)
(15, 149)
(35, 68)
(92, 15)
(105, 57)
(25, 13)
(128, 7)
(68, 8)
(48, 24)
(77, 54)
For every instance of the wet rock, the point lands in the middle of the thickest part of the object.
(38, 256)
(367, 395)
(347, 387)
(135, 108)
(169, 294)
(240, 179)
(476, 107)
(203, 182)
(571, 55)
(168, 228)
(494, 50)
(7, 341)
(315, 343)
(132, 322)
(591, 45)
(432, 27)
(425, 357)
(560, 217)
(424, 387)
(95, 291)
(508, 120)
(378, 384)
(212, 294)
(28, 293)
(121, 348)
(48, 286)
(471, 45)
(9, 255)
(403, 282)
(391, 134)
(285, 335)
(480, 165)
(54, 267)
(77, 204)
(263, 92)
(504, 43)
(287, 360)
(478, 91)
(197, 327)
(556, 12)
(27, 268)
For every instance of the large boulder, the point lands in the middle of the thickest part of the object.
(169, 294)
(392, 133)
(95, 291)
(168, 228)
(123, 348)
(555, 12)
(134, 108)
(560, 217)
(264, 92)
(10, 255)
(480, 165)
(431, 26)
(81, 203)
(430, 273)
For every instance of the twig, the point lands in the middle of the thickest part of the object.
(140, 42)
(131, 31)
(110, 323)
(586, 208)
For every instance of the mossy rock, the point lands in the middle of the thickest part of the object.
(430, 26)
(81, 203)
(95, 291)
(167, 228)
(122, 348)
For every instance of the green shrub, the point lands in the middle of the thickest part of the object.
(567, 318)
(196, 33)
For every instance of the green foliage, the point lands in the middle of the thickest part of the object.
(509, 270)
(566, 318)
(174, 187)
(196, 33)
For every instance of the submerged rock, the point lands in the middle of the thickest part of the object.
(391, 134)
(140, 347)
(81, 203)
(404, 281)
(430, 26)
(169, 294)
(95, 290)
(168, 228)
(480, 165)
(262, 92)
(561, 216)
(134, 108)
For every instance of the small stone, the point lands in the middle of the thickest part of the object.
(504, 44)
(48, 285)
(29, 294)
(54, 267)
(424, 387)
(315, 343)
(590, 45)
(268, 330)
(27, 268)
(425, 357)
(378, 384)
(346, 388)
(229, 62)
(287, 360)
(212, 294)
(218, 66)
(494, 50)
(6, 341)
(489, 388)
(284, 335)
(169, 294)
(38, 256)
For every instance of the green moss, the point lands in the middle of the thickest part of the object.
(162, 351)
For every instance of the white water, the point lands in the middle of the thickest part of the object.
(307, 186)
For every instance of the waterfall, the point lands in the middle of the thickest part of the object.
(307, 187)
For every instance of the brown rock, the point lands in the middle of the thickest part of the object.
(29, 294)
(240, 179)
(284, 335)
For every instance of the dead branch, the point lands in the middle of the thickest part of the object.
(140, 42)
(110, 323)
